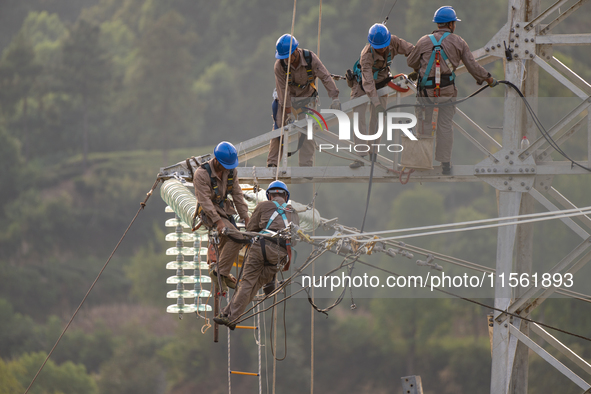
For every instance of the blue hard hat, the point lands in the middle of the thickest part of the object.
(379, 36)
(226, 154)
(277, 185)
(445, 14)
(282, 46)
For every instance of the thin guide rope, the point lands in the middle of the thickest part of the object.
(312, 337)
(284, 152)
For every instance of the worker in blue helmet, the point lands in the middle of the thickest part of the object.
(268, 254)
(214, 182)
(298, 68)
(435, 59)
(371, 73)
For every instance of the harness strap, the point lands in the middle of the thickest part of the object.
(279, 211)
(310, 81)
(219, 199)
(437, 51)
(376, 70)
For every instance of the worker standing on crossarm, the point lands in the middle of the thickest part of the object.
(372, 72)
(214, 181)
(266, 255)
(435, 57)
(305, 67)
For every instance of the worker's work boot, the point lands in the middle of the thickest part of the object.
(230, 281)
(223, 282)
(269, 288)
(224, 320)
(446, 168)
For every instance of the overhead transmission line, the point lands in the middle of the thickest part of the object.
(506, 221)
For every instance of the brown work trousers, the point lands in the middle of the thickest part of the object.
(306, 152)
(361, 110)
(444, 136)
(228, 250)
(255, 275)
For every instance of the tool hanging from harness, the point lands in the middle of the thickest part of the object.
(283, 243)
(438, 81)
(219, 199)
(356, 72)
(299, 103)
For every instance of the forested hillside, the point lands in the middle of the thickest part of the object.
(97, 95)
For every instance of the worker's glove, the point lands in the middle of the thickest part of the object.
(336, 104)
(380, 108)
(413, 76)
(290, 118)
(493, 83)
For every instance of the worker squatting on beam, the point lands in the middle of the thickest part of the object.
(213, 182)
(435, 58)
(371, 73)
(304, 68)
(266, 255)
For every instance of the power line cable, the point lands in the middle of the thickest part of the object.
(550, 215)
(542, 129)
(513, 223)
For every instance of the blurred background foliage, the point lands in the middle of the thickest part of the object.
(96, 95)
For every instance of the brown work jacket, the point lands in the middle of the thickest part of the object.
(205, 194)
(300, 76)
(455, 48)
(370, 59)
(263, 212)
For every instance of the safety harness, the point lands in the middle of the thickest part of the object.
(376, 70)
(285, 243)
(310, 81)
(300, 103)
(219, 199)
(436, 82)
(437, 54)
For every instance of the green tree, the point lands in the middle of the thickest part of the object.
(8, 382)
(67, 378)
(159, 85)
(11, 163)
(86, 73)
(44, 31)
(134, 367)
(15, 330)
(45, 104)
(148, 265)
(18, 72)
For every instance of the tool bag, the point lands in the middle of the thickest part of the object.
(417, 154)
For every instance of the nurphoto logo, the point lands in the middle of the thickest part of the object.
(392, 123)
